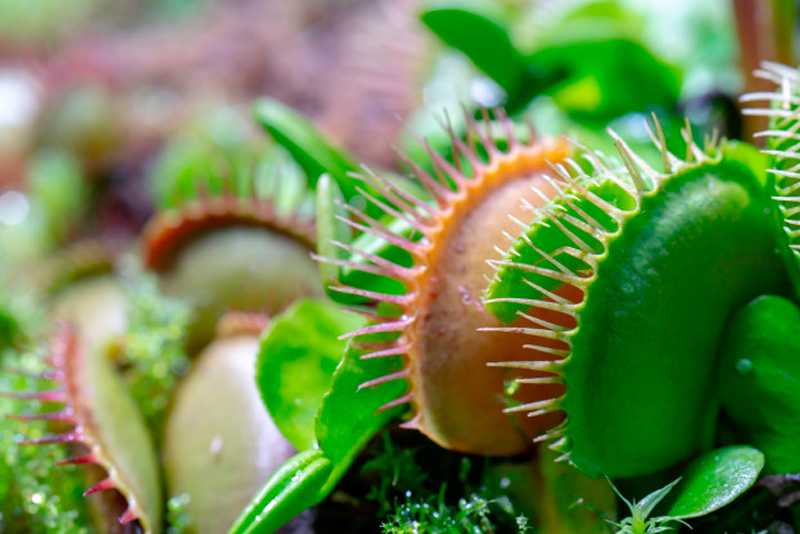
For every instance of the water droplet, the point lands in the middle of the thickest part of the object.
(744, 366)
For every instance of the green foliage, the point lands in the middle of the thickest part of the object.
(398, 471)
(343, 426)
(59, 188)
(759, 374)
(604, 78)
(215, 153)
(330, 228)
(710, 482)
(177, 515)
(590, 59)
(715, 479)
(299, 353)
(27, 23)
(347, 419)
(315, 154)
(340, 265)
(493, 52)
(21, 319)
(154, 346)
(640, 521)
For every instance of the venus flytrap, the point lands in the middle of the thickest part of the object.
(607, 260)
(443, 356)
(236, 250)
(615, 257)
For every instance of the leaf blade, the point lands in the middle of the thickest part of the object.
(715, 479)
(299, 353)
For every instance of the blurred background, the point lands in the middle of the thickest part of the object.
(115, 95)
(113, 110)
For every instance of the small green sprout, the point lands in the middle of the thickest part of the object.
(640, 522)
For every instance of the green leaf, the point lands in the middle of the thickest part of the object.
(649, 502)
(292, 489)
(556, 491)
(482, 38)
(57, 183)
(716, 479)
(349, 416)
(604, 78)
(346, 421)
(210, 152)
(299, 353)
(748, 156)
(476, 30)
(309, 148)
(315, 154)
(329, 228)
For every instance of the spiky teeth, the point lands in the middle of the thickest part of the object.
(102, 423)
(620, 255)
(783, 147)
(231, 252)
(434, 324)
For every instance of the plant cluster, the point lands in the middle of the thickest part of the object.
(505, 331)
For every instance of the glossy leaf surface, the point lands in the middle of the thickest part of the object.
(715, 479)
(347, 419)
(299, 353)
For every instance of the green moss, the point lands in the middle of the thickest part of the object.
(153, 346)
(36, 495)
(418, 500)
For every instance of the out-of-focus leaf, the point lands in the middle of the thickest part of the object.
(211, 152)
(605, 79)
(299, 353)
(480, 36)
(29, 23)
(749, 156)
(716, 479)
(329, 228)
(59, 187)
(587, 56)
(309, 148)
(477, 30)
(557, 491)
(81, 120)
(544, 25)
